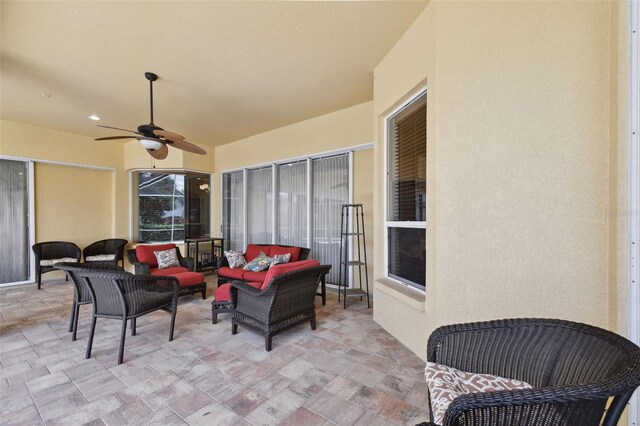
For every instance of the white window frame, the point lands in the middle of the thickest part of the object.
(391, 223)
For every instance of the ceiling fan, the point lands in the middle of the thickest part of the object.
(153, 138)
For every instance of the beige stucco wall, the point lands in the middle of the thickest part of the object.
(341, 129)
(36, 144)
(519, 115)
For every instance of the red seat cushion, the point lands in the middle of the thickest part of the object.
(187, 279)
(283, 268)
(255, 276)
(222, 292)
(294, 251)
(253, 250)
(235, 273)
(168, 271)
(145, 253)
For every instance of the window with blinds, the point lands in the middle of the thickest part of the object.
(306, 196)
(407, 192)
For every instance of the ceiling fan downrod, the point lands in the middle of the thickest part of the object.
(151, 77)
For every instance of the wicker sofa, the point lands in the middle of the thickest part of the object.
(573, 369)
(227, 274)
(145, 263)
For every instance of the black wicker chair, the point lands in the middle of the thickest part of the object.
(110, 247)
(575, 369)
(49, 251)
(127, 297)
(81, 294)
(288, 300)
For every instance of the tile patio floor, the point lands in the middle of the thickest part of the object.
(349, 371)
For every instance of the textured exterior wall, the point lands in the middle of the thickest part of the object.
(340, 129)
(36, 143)
(519, 107)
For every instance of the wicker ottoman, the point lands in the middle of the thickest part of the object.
(191, 283)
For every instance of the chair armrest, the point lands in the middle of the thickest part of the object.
(141, 268)
(187, 262)
(243, 287)
(223, 261)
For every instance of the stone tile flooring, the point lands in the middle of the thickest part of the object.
(349, 371)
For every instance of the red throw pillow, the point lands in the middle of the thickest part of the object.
(145, 253)
(283, 268)
(293, 251)
(253, 250)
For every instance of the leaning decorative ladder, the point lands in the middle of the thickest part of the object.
(353, 252)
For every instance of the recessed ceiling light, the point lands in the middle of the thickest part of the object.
(94, 117)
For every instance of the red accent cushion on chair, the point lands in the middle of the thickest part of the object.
(283, 268)
(294, 251)
(233, 273)
(222, 293)
(145, 253)
(168, 271)
(253, 250)
(189, 278)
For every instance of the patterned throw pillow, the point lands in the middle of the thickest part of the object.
(236, 259)
(260, 263)
(446, 384)
(100, 258)
(167, 258)
(280, 258)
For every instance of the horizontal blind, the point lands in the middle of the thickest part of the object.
(408, 168)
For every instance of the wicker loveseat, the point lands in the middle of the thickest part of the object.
(574, 369)
(145, 263)
(227, 274)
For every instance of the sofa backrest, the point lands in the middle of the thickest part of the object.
(145, 253)
(253, 250)
(283, 268)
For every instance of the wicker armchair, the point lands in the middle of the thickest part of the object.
(288, 300)
(142, 268)
(111, 247)
(574, 370)
(127, 297)
(81, 294)
(50, 252)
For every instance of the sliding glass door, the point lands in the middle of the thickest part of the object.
(306, 197)
(15, 253)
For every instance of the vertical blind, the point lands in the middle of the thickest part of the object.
(330, 191)
(329, 188)
(259, 202)
(233, 211)
(14, 221)
(292, 204)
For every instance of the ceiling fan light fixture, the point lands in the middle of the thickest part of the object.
(151, 144)
(94, 117)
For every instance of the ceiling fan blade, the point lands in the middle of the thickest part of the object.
(186, 146)
(159, 154)
(168, 135)
(110, 138)
(117, 128)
